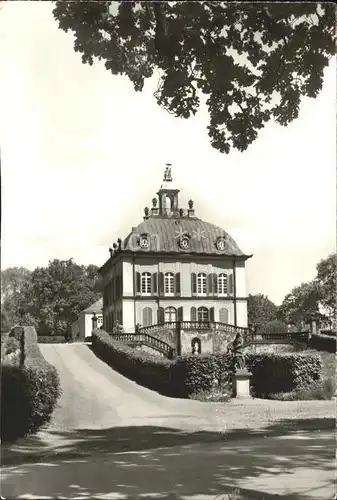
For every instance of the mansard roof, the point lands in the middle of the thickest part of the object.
(164, 236)
(168, 229)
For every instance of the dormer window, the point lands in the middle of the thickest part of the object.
(221, 244)
(184, 242)
(144, 241)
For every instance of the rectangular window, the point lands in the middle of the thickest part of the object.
(201, 284)
(169, 284)
(222, 284)
(146, 284)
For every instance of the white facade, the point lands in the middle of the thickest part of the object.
(174, 265)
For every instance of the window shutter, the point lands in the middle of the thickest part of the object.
(137, 282)
(177, 284)
(215, 284)
(121, 285)
(193, 314)
(180, 314)
(161, 315)
(194, 285)
(154, 284)
(211, 313)
(226, 284)
(161, 283)
(209, 284)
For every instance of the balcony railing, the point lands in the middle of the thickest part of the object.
(194, 325)
(281, 338)
(134, 339)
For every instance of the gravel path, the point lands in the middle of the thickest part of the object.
(111, 438)
(95, 396)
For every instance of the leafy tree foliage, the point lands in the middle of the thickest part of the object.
(14, 284)
(54, 296)
(315, 300)
(301, 305)
(252, 61)
(12, 281)
(261, 310)
(274, 326)
(326, 280)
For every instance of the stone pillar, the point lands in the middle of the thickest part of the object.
(241, 384)
(313, 327)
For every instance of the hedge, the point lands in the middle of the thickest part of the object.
(146, 369)
(271, 372)
(283, 371)
(29, 393)
(51, 339)
(322, 342)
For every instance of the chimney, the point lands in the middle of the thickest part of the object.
(111, 252)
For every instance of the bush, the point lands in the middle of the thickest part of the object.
(17, 332)
(51, 339)
(12, 352)
(322, 342)
(283, 372)
(29, 393)
(4, 340)
(12, 345)
(190, 375)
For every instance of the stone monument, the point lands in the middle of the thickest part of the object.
(240, 374)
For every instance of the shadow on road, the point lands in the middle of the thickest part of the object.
(147, 461)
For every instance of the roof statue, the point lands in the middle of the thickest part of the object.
(167, 173)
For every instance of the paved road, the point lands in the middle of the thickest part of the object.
(111, 438)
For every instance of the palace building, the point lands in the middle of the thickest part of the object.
(174, 266)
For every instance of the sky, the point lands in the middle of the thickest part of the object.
(82, 154)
